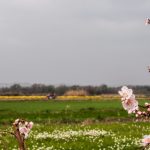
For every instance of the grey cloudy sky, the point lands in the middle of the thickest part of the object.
(74, 42)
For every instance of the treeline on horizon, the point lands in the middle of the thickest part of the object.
(42, 89)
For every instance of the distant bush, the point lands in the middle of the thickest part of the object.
(80, 92)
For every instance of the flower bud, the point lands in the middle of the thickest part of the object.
(136, 115)
(147, 104)
(139, 112)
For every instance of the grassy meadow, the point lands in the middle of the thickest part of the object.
(81, 124)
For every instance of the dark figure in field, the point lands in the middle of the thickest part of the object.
(51, 96)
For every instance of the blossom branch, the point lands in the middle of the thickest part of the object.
(21, 131)
(130, 104)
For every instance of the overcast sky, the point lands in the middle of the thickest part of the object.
(86, 42)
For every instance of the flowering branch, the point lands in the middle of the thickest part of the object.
(21, 130)
(130, 104)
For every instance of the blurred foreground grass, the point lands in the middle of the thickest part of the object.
(102, 136)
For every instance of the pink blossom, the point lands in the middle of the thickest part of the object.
(26, 123)
(16, 121)
(125, 93)
(147, 21)
(23, 130)
(129, 102)
(146, 140)
(24, 127)
(131, 105)
(30, 125)
(139, 112)
(146, 104)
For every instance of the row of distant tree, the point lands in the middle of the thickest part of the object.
(41, 89)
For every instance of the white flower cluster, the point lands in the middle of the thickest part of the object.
(24, 127)
(128, 100)
(66, 135)
(95, 136)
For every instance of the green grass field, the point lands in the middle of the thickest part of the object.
(60, 125)
(61, 111)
